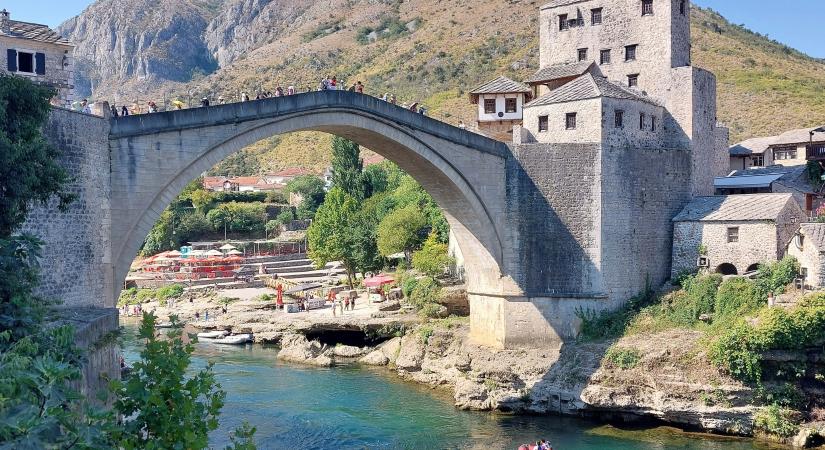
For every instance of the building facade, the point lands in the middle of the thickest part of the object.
(500, 106)
(37, 52)
(732, 235)
(808, 247)
(791, 148)
(638, 51)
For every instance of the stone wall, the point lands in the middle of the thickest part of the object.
(76, 260)
(632, 134)
(642, 190)
(810, 257)
(95, 334)
(588, 122)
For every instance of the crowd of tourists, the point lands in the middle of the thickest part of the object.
(326, 84)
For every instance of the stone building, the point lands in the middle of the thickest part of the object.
(791, 148)
(634, 55)
(37, 52)
(733, 234)
(500, 106)
(808, 247)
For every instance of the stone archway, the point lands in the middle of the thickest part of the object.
(727, 269)
(155, 156)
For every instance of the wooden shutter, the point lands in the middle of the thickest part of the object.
(40, 63)
(12, 56)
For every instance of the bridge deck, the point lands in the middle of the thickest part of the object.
(351, 102)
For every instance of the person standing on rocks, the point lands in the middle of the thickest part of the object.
(352, 304)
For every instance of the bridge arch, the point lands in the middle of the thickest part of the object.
(155, 156)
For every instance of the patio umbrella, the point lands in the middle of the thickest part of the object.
(228, 247)
(214, 253)
(379, 280)
(234, 252)
(174, 254)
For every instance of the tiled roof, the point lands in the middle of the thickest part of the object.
(815, 233)
(556, 72)
(586, 87)
(735, 208)
(793, 177)
(35, 32)
(799, 136)
(246, 181)
(501, 85)
(752, 146)
(293, 172)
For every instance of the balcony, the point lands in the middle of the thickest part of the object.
(815, 152)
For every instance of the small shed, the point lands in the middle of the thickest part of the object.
(733, 234)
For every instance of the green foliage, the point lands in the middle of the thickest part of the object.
(243, 438)
(814, 171)
(245, 163)
(736, 296)
(612, 324)
(777, 421)
(311, 188)
(29, 169)
(376, 180)
(401, 230)
(682, 277)
(426, 292)
(430, 310)
(425, 332)
(170, 291)
(739, 348)
(322, 30)
(623, 358)
(127, 297)
(347, 166)
(20, 310)
(241, 197)
(166, 408)
(432, 259)
(408, 285)
(702, 293)
(238, 217)
(391, 27)
(331, 236)
(774, 277)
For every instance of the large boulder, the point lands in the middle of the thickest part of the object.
(375, 358)
(412, 353)
(348, 351)
(296, 348)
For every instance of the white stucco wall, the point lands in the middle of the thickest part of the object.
(56, 73)
(500, 103)
(588, 122)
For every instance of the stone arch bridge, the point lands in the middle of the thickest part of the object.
(527, 218)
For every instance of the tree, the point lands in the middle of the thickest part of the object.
(375, 180)
(347, 166)
(331, 237)
(432, 259)
(401, 231)
(29, 170)
(311, 188)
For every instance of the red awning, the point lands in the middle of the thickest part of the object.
(379, 280)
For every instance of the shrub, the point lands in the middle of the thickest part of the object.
(773, 277)
(432, 259)
(776, 421)
(702, 291)
(430, 310)
(170, 291)
(425, 291)
(612, 324)
(145, 295)
(682, 277)
(736, 296)
(425, 332)
(127, 297)
(623, 358)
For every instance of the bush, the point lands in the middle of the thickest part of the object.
(167, 292)
(127, 297)
(773, 277)
(432, 259)
(623, 358)
(426, 291)
(612, 324)
(425, 331)
(702, 292)
(682, 277)
(776, 421)
(736, 296)
(145, 295)
(408, 285)
(430, 311)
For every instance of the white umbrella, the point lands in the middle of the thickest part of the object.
(228, 247)
(235, 252)
(214, 253)
(174, 254)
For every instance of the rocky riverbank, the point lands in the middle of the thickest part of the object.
(664, 379)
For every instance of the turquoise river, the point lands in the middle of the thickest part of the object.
(351, 407)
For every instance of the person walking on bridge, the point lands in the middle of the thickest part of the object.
(204, 102)
(359, 87)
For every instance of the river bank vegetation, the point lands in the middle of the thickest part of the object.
(762, 346)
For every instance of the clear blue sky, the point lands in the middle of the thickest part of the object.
(797, 23)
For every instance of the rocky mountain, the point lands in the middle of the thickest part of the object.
(431, 51)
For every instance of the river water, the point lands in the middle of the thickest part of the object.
(350, 407)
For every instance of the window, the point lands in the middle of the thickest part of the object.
(652, 123)
(784, 153)
(633, 80)
(619, 117)
(642, 121)
(25, 62)
(647, 7)
(489, 106)
(570, 121)
(510, 105)
(757, 160)
(582, 54)
(596, 16)
(563, 25)
(733, 234)
(682, 7)
(543, 123)
(630, 53)
(604, 56)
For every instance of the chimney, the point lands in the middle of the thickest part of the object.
(5, 22)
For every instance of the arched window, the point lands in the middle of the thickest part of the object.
(753, 268)
(727, 269)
